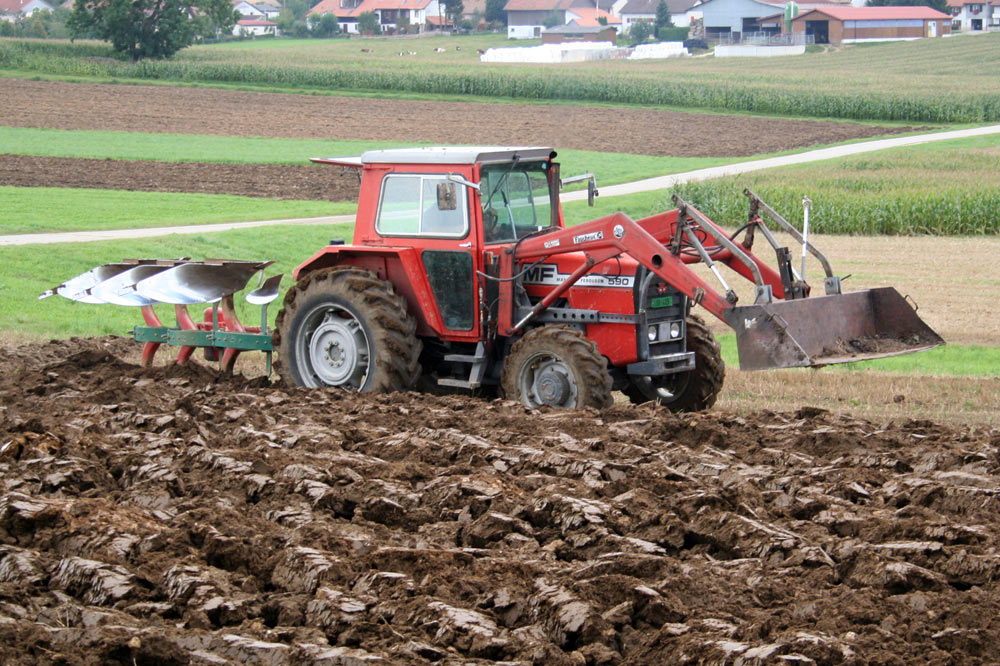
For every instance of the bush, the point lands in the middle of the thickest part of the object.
(692, 44)
(672, 34)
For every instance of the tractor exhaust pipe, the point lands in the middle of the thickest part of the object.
(825, 330)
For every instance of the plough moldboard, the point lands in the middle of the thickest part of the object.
(143, 283)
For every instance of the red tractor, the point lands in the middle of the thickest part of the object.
(462, 273)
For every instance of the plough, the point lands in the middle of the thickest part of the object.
(181, 283)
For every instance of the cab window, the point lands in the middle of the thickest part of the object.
(516, 202)
(422, 205)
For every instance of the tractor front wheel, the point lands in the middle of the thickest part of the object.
(556, 366)
(690, 391)
(345, 327)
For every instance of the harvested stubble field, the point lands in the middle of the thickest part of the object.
(174, 516)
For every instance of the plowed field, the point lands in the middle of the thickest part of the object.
(175, 516)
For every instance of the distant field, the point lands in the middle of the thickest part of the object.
(931, 80)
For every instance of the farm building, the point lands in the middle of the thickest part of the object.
(729, 20)
(571, 32)
(846, 25)
(255, 27)
(526, 19)
(391, 13)
(974, 16)
(634, 11)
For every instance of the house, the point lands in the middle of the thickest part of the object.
(527, 18)
(15, 10)
(633, 11)
(846, 25)
(256, 9)
(392, 14)
(973, 16)
(570, 32)
(255, 26)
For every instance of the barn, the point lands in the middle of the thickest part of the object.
(846, 25)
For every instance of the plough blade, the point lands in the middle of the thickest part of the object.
(825, 330)
(191, 283)
(80, 287)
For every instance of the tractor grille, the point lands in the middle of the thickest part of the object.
(662, 306)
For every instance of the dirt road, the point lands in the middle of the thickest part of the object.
(178, 517)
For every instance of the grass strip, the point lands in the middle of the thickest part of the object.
(50, 209)
(610, 168)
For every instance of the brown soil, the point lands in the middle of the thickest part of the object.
(85, 106)
(175, 516)
(251, 180)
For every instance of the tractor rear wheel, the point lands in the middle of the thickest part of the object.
(556, 366)
(690, 391)
(345, 327)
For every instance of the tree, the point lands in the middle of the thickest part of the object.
(324, 25)
(640, 31)
(368, 23)
(495, 12)
(291, 20)
(453, 10)
(220, 17)
(940, 5)
(663, 19)
(553, 19)
(140, 28)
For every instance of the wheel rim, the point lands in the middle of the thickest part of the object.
(663, 389)
(333, 349)
(546, 380)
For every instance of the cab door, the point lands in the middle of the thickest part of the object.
(432, 214)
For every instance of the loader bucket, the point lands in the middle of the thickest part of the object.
(824, 330)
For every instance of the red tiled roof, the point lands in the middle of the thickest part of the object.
(877, 13)
(537, 5)
(12, 6)
(333, 6)
(589, 15)
(962, 3)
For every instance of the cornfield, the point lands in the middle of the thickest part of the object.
(904, 192)
(934, 82)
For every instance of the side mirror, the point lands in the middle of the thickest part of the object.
(591, 185)
(446, 196)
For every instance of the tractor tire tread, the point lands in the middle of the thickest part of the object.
(397, 368)
(582, 353)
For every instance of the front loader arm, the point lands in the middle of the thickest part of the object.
(600, 240)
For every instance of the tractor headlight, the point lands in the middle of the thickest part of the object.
(675, 330)
(651, 333)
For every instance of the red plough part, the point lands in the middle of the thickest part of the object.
(180, 282)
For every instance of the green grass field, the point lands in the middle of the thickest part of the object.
(49, 209)
(610, 168)
(932, 80)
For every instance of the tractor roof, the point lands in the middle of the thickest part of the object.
(443, 155)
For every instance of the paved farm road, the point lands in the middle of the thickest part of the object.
(658, 183)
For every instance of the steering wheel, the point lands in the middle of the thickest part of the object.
(490, 220)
